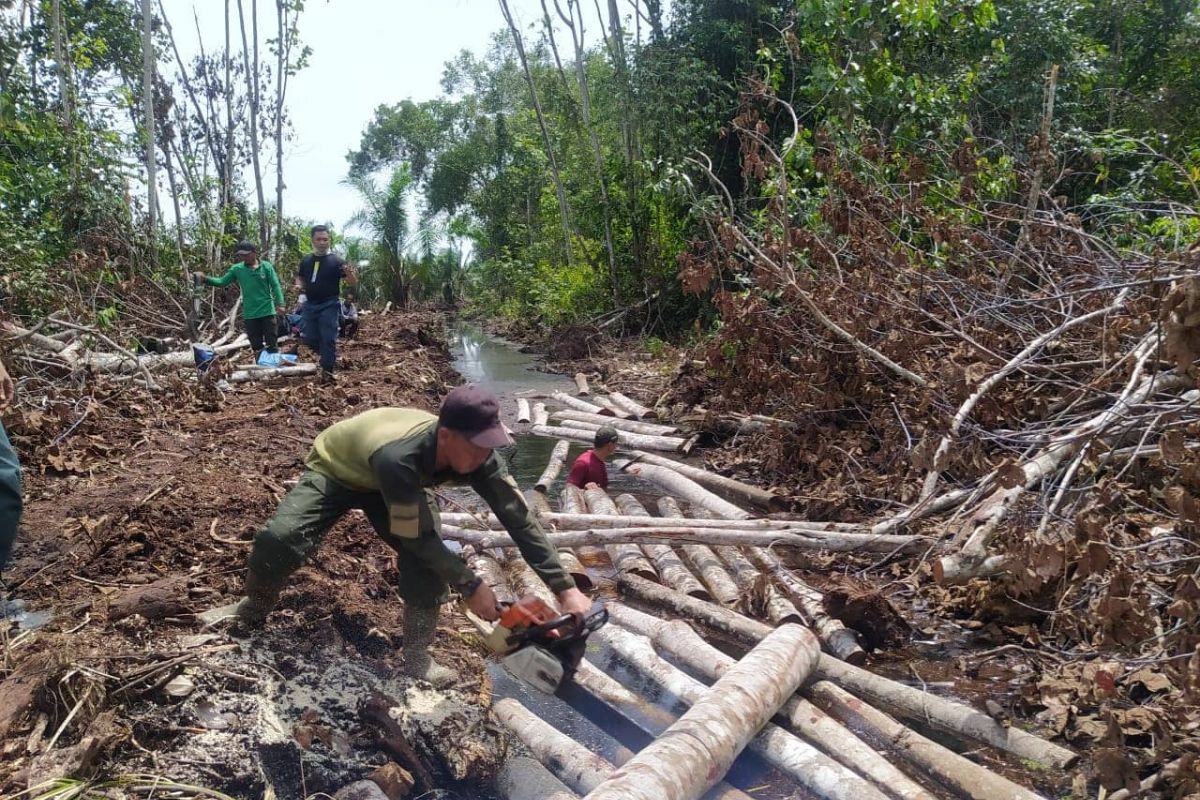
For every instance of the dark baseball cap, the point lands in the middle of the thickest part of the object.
(475, 413)
(605, 435)
(245, 247)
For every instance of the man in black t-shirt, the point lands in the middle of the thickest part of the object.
(320, 278)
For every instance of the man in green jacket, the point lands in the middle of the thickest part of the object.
(385, 461)
(262, 296)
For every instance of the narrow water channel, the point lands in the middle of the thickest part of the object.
(500, 365)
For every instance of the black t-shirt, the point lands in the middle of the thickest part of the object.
(321, 276)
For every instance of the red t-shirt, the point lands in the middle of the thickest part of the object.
(588, 468)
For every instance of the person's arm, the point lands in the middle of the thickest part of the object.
(499, 491)
(402, 492)
(224, 280)
(276, 287)
(349, 274)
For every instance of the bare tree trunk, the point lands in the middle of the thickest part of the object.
(704, 561)
(148, 121)
(628, 440)
(252, 86)
(283, 58)
(667, 563)
(523, 778)
(573, 8)
(558, 457)
(563, 208)
(581, 405)
(626, 556)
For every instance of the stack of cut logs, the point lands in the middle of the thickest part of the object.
(797, 698)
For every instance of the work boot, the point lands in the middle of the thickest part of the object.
(420, 626)
(326, 378)
(261, 595)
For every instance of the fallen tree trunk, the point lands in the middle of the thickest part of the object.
(630, 405)
(526, 580)
(523, 778)
(948, 768)
(836, 637)
(710, 569)
(681, 486)
(581, 405)
(571, 500)
(762, 498)
(810, 542)
(617, 411)
(579, 522)
(558, 458)
(688, 648)
(667, 563)
(523, 413)
(758, 595)
(626, 439)
(945, 715)
(581, 384)
(626, 556)
(492, 573)
(735, 709)
(572, 763)
(640, 713)
(633, 426)
(540, 415)
(270, 374)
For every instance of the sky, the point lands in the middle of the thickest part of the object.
(365, 53)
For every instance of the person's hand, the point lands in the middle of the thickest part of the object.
(573, 601)
(8, 389)
(280, 310)
(482, 603)
(591, 485)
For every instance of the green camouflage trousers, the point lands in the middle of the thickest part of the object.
(313, 506)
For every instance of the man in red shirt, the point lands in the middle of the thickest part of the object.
(588, 471)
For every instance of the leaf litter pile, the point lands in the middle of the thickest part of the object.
(140, 511)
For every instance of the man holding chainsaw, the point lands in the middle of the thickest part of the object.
(385, 462)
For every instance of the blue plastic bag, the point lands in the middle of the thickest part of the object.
(266, 359)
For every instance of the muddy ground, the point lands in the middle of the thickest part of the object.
(140, 518)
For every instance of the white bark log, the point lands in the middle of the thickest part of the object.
(558, 457)
(722, 720)
(617, 411)
(727, 487)
(670, 567)
(581, 384)
(682, 486)
(627, 556)
(688, 648)
(641, 713)
(965, 778)
(754, 586)
(523, 412)
(578, 522)
(264, 375)
(540, 415)
(523, 778)
(945, 715)
(625, 438)
(572, 763)
(631, 406)
(836, 638)
(633, 426)
(581, 405)
(703, 560)
(808, 542)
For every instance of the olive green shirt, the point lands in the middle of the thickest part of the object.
(394, 451)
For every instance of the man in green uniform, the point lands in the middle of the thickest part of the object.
(262, 296)
(384, 462)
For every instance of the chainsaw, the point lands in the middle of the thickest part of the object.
(537, 644)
